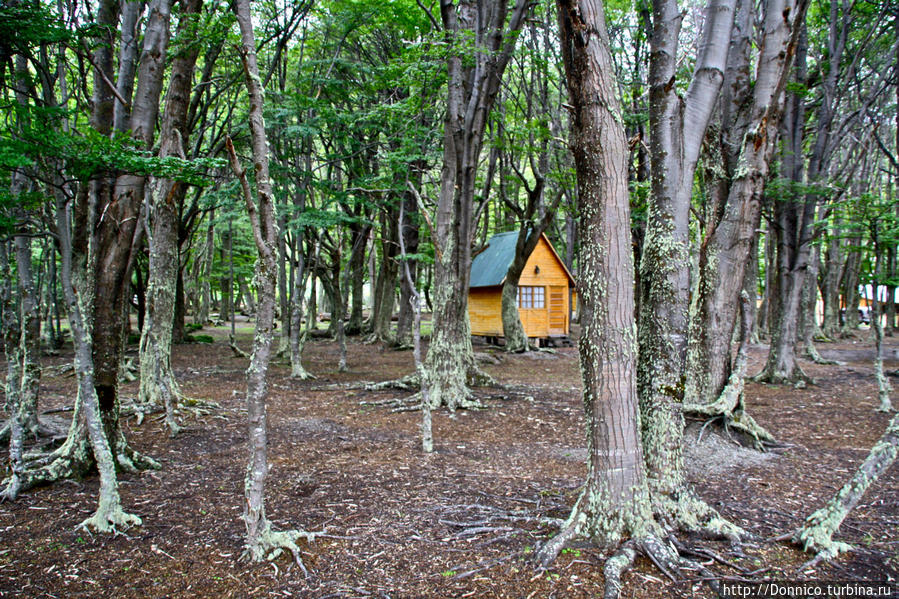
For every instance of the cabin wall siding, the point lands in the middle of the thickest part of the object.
(485, 303)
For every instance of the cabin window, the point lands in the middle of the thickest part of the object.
(531, 297)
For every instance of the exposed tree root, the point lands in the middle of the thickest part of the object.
(797, 378)
(271, 544)
(110, 518)
(615, 568)
(238, 353)
(729, 405)
(689, 513)
(46, 430)
(811, 352)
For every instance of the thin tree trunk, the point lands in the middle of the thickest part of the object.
(262, 542)
(409, 233)
(817, 532)
(830, 292)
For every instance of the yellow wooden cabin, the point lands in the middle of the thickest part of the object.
(545, 290)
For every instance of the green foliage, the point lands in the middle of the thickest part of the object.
(41, 143)
(26, 25)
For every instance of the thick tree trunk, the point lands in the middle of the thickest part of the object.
(677, 128)
(116, 236)
(614, 503)
(13, 387)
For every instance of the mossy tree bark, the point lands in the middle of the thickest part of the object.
(13, 387)
(817, 533)
(30, 338)
(157, 381)
(115, 238)
(481, 37)
(751, 113)
(614, 504)
(677, 129)
(261, 542)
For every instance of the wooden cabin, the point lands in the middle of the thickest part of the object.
(545, 290)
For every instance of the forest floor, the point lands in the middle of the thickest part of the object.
(461, 522)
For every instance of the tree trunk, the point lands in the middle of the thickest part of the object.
(261, 541)
(354, 287)
(614, 503)
(408, 290)
(851, 279)
(157, 381)
(677, 128)
(117, 236)
(817, 533)
(830, 291)
(384, 295)
(474, 76)
(203, 314)
(725, 249)
(29, 353)
(13, 387)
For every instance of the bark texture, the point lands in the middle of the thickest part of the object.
(748, 139)
(261, 542)
(677, 128)
(481, 42)
(157, 381)
(615, 501)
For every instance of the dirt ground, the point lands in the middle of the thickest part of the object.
(461, 522)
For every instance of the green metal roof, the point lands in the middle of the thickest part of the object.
(489, 267)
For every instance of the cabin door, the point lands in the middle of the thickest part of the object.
(558, 310)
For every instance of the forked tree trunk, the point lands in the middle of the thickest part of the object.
(513, 331)
(474, 79)
(157, 381)
(116, 237)
(385, 287)
(677, 128)
(88, 419)
(614, 503)
(725, 250)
